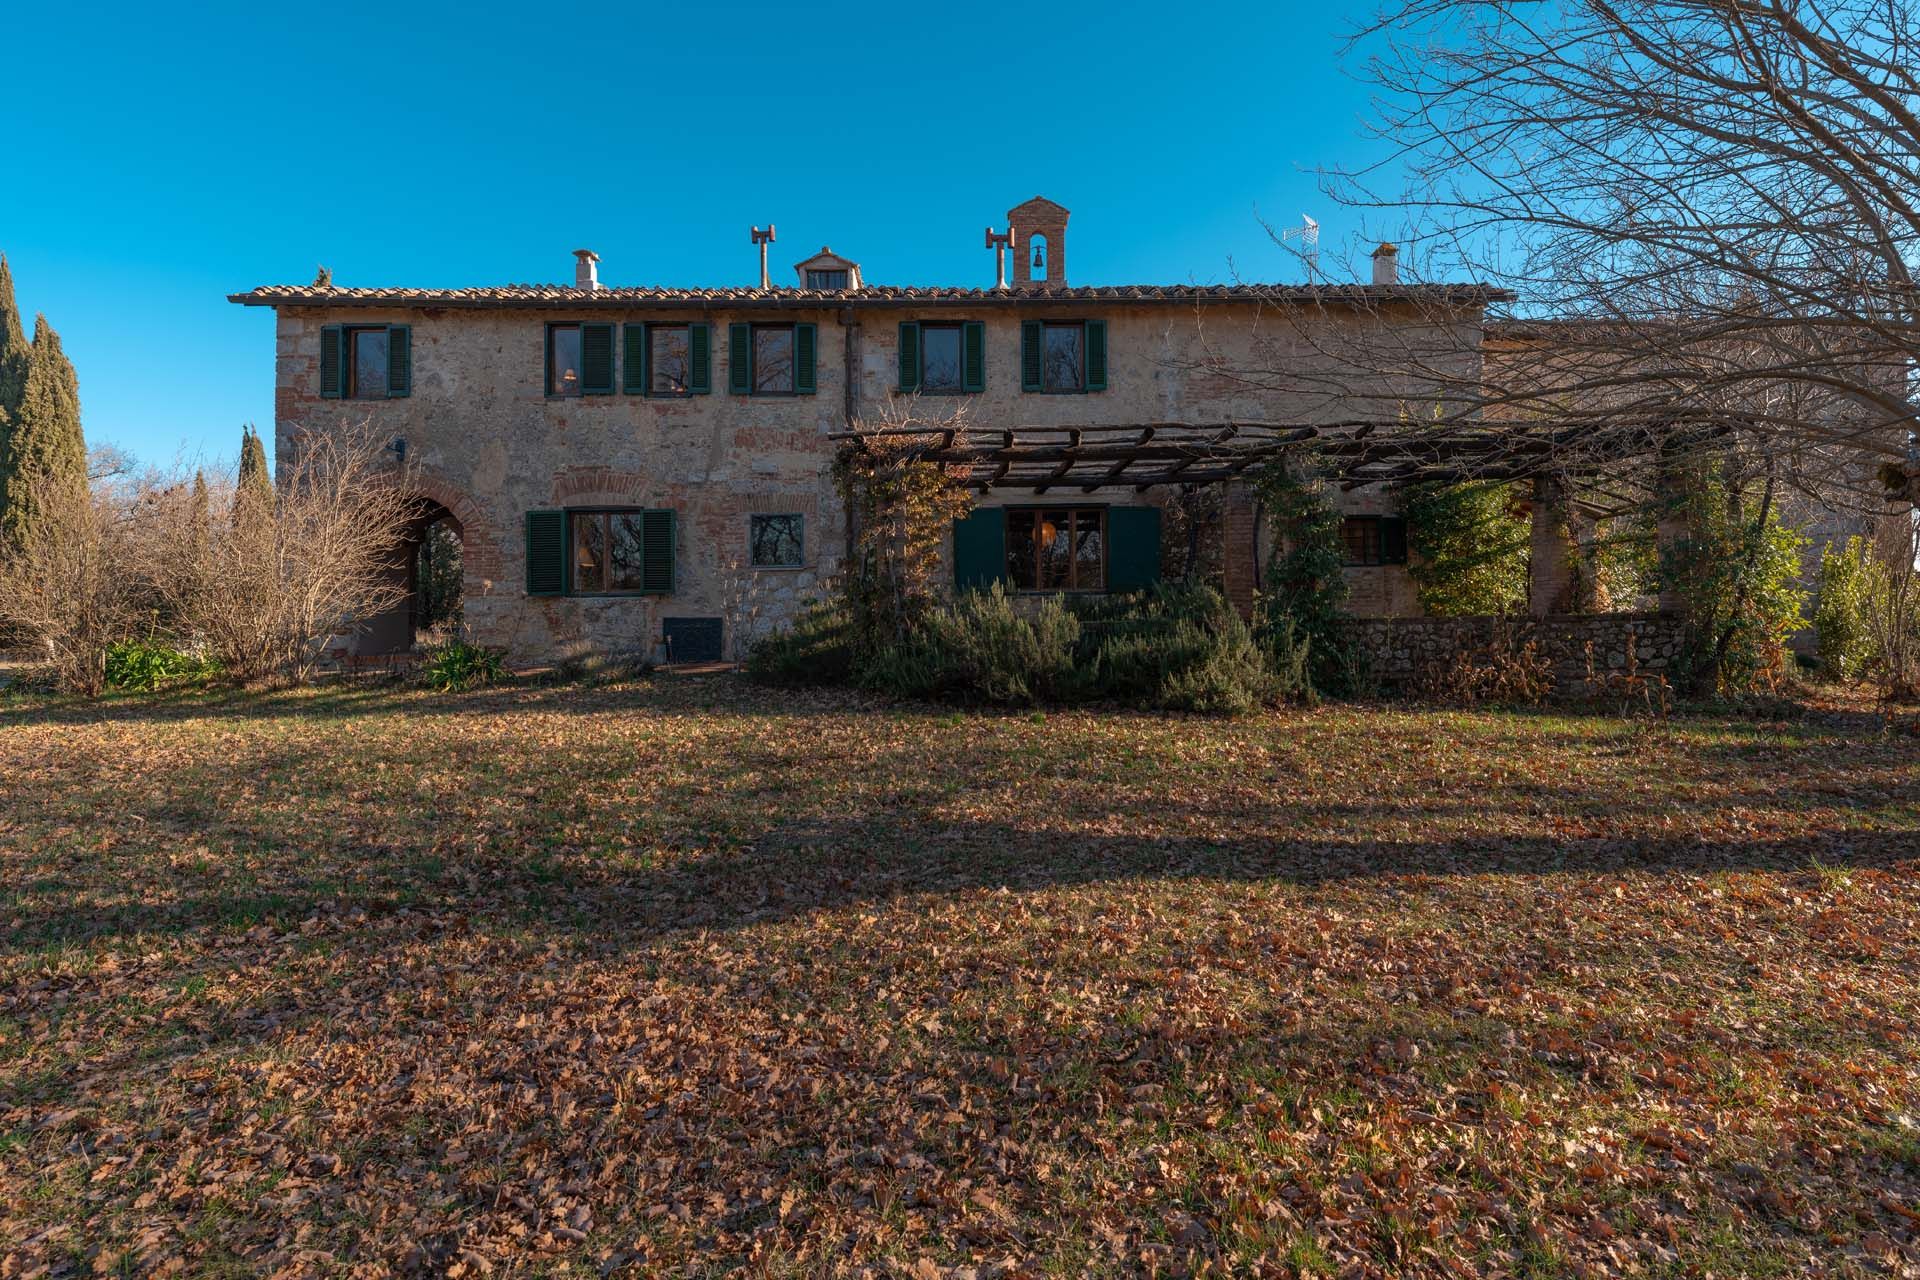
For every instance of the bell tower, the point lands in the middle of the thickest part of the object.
(1039, 230)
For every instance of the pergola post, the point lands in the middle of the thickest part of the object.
(1553, 556)
(1240, 565)
(1673, 501)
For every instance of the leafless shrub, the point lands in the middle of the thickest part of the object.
(1507, 668)
(1630, 688)
(264, 590)
(64, 583)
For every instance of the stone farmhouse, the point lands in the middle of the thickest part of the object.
(623, 465)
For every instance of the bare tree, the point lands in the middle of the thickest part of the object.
(65, 584)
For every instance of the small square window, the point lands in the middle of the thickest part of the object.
(367, 367)
(940, 359)
(776, 541)
(669, 357)
(1373, 540)
(772, 360)
(563, 360)
(1063, 357)
(827, 279)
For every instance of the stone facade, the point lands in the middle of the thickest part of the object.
(1398, 650)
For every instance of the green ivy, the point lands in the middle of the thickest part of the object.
(1470, 545)
(1306, 586)
(1738, 569)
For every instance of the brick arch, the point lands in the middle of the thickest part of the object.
(479, 536)
(595, 486)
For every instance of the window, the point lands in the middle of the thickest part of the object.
(1373, 540)
(1057, 549)
(563, 360)
(366, 361)
(669, 356)
(1063, 356)
(776, 541)
(940, 359)
(620, 552)
(367, 370)
(827, 279)
(772, 360)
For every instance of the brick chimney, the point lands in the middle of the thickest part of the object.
(586, 275)
(1386, 265)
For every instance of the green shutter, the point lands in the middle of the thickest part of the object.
(1096, 355)
(633, 355)
(980, 548)
(330, 362)
(699, 358)
(596, 359)
(1393, 539)
(806, 342)
(909, 357)
(656, 551)
(546, 361)
(740, 359)
(1030, 355)
(1133, 548)
(546, 553)
(399, 361)
(973, 356)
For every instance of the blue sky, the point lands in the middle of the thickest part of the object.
(166, 157)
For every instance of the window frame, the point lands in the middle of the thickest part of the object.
(959, 387)
(792, 330)
(799, 516)
(1045, 325)
(350, 380)
(549, 366)
(1073, 563)
(1375, 554)
(846, 278)
(605, 516)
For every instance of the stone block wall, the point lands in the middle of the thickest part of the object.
(1399, 649)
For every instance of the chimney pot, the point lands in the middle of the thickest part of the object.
(1386, 265)
(585, 274)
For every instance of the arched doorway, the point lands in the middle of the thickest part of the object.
(429, 564)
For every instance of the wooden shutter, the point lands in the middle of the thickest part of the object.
(1030, 355)
(546, 361)
(331, 362)
(806, 342)
(699, 358)
(973, 356)
(596, 359)
(740, 359)
(909, 356)
(399, 361)
(546, 553)
(656, 551)
(1096, 355)
(1393, 539)
(633, 354)
(980, 548)
(1133, 548)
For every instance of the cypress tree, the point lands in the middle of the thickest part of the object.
(14, 358)
(255, 489)
(44, 438)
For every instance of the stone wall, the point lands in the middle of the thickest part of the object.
(1399, 649)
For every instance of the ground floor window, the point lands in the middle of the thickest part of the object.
(1057, 548)
(1373, 540)
(776, 541)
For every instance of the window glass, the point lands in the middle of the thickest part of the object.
(827, 279)
(623, 551)
(1061, 367)
(563, 359)
(1089, 552)
(776, 541)
(940, 357)
(369, 364)
(1054, 549)
(1020, 550)
(589, 552)
(772, 359)
(1360, 538)
(668, 350)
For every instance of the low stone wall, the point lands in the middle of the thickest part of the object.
(1398, 649)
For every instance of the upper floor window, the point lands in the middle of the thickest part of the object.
(579, 359)
(775, 542)
(771, 359)
(1057, 549)
(832, 278)
(366, 361)
(943, 359)
(1373, 540)
(1063, 355)
(669, 359)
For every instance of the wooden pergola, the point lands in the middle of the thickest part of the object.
(1043, 459)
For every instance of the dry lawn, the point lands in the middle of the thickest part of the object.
(685, 978)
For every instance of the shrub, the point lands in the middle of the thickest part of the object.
(1843, 616)
(1471, 547)
(145, 666)
(979, 648)
(816, 650)
(69, 586)
(458, 664)
(1305, 583)
(1171, 648)
(1507, 668)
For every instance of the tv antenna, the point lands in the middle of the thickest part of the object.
(1308, 234)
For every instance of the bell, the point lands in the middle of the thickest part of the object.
(1039, 262)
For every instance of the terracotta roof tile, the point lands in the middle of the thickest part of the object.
(559, 296)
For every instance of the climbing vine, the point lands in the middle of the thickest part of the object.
(902, 508)
(1470, 546)
(1300, 618)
